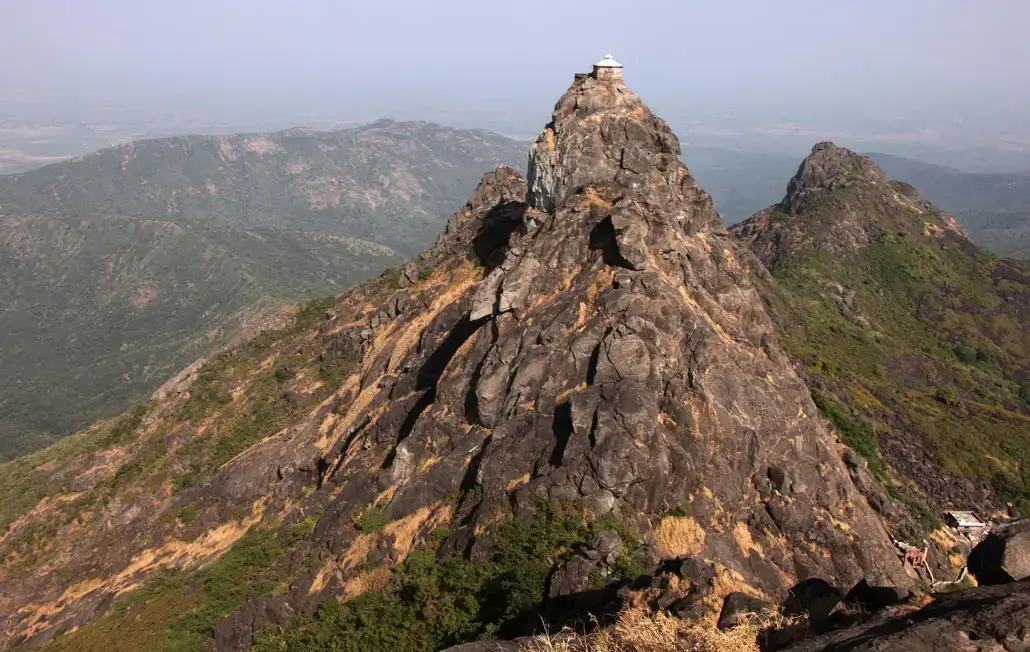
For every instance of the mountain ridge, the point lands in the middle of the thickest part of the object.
(323, 181)
(229, 196)
(98, 312)
(575, 385)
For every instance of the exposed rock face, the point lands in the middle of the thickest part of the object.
(1004, 554)
(612, 351)
(829, 168)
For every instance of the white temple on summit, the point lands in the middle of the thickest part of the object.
(607, 68)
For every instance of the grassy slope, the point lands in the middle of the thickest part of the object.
(58, 499)
(943, 358)
(97, 313)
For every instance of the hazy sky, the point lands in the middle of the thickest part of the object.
(725, 55)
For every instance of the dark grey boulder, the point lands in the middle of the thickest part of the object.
(1004, 554)
(815, 597)
(875, 598)
(736, 608)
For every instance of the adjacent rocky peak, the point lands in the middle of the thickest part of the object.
(838, 202)
(826, 169)
(482, 226)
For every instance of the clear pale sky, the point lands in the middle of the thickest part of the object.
(884, 55)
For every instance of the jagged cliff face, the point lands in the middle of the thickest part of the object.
(587, 337)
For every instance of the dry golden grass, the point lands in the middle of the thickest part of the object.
(742, 534)
(679, 536)
(549, 138)
(523, 479)
(567, 394)
(639, 630)
(404, 531)
(362, 583)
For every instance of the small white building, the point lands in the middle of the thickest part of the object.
(608, 68)
(964, 520)
(967, 524)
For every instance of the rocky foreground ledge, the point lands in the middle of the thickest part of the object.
(816, 617)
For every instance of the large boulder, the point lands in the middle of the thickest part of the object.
(1004, 554)
(738, 607)
(985, 619)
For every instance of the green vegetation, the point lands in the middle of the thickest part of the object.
(431, 602)
(312, 313)
(991, 206)
(947, 396)
(112, 334)
(187, 514)
(371, 521)
(177, 611)
(183, 482)
(855, 431)
(934, 348)
(240, 397)
(28, 480)
(266, 403)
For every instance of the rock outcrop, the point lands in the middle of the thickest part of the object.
(1004, 554)
(607, 348)
(991, 619)
(829, 168)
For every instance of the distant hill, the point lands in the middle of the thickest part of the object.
(388, 182)
(97, 312)
(120, 267)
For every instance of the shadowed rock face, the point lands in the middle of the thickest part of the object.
(589, 336)
(1004, 555)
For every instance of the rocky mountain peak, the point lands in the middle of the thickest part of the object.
(826, 169)
(602, 135)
